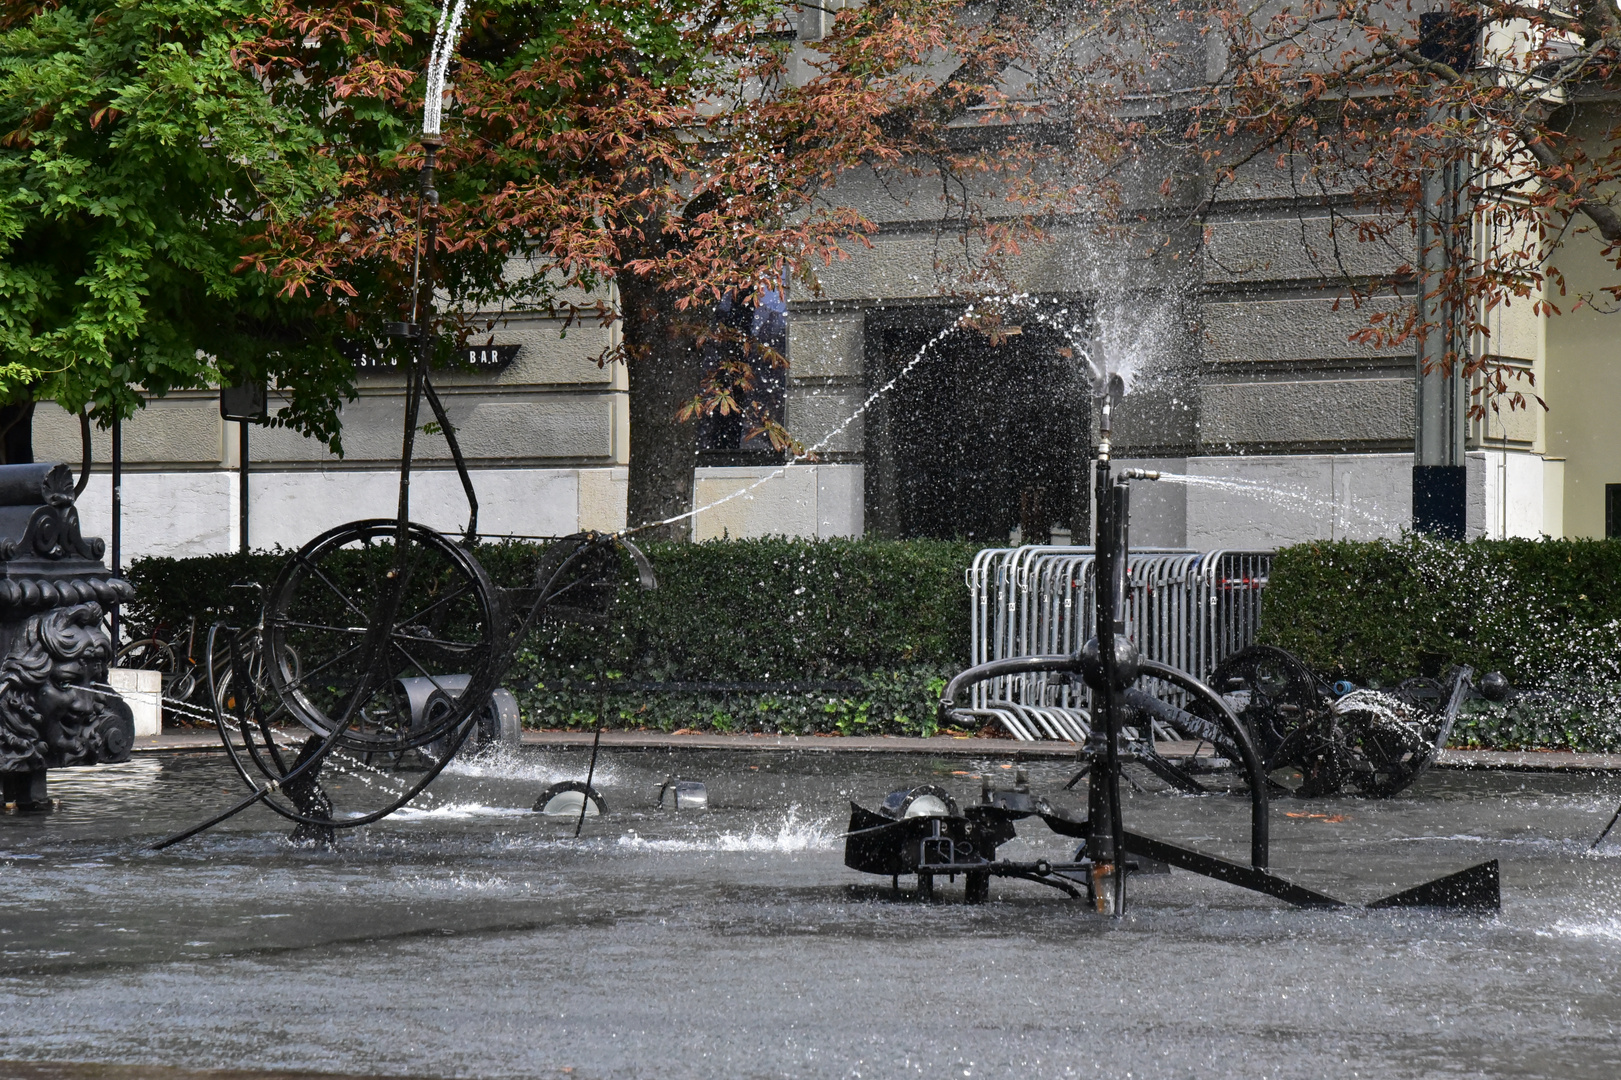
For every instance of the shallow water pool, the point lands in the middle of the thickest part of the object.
(471, 937)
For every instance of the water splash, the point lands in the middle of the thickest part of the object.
(791, 837)
(527, 766)
(444, 46)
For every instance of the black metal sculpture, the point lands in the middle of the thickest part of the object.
(370, 620)
(1319, 739)
(923, 832)
(56, 709)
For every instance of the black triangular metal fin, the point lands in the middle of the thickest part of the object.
(1478, 888)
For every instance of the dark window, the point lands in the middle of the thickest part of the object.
(1612, 511)
(755, 331)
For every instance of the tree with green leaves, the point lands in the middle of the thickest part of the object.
(138, 161)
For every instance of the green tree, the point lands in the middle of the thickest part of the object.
(137, 162)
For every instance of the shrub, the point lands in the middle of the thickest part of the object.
(840, 635)
(1545, 613)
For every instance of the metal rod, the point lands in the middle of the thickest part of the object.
(456, 456)
(85, 463)
(118, 514)
(596, 742)
(242, 483)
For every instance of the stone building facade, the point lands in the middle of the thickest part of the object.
(1245, 380)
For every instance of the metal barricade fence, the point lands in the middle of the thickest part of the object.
(1186, 609)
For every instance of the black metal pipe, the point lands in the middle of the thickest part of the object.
(1260, 834)
(118, 516)
(1013, 665)
(242, 483)
(456, 456)
(85, 462)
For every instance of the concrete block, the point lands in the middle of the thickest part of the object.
(1069, 260)
(525, 427)
(1273, 330)
(603, 498)
(1516, 332)
(820, 501)
(183, 429)
(1292, 248)
(754, 501)
(1265, 502)
(552, 354)
(291, 508)
(142, 691)
(550, 426)
(165, 513)
(821, 417)
(1513, 495)
(840, 501)
(1159, 511)
(825, 346)
(1340, 411)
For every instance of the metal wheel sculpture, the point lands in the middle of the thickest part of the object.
(918, 832)
(1316, 741)
(380, 645)
(447, 620)
(1285, 707)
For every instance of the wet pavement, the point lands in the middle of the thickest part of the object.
(472, 937)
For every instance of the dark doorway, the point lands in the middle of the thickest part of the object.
(978, 438)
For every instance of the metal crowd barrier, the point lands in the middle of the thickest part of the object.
(1186, 609)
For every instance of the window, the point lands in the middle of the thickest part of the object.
(1612, 511)
(751, 329)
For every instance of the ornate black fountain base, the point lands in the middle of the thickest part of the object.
(56, 708)
(25, 791)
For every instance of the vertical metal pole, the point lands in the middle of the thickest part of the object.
(242, 483)
(1104, 845)
(596, 744)
(118, 514)
(1442, 395)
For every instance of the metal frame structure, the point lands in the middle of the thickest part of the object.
(1184, 609)
(342, 691)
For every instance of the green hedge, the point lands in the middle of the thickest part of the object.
(888, 619)
(1545, 613)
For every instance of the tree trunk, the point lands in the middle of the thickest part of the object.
(666, 370)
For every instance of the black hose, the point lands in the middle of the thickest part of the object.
(1014, 665)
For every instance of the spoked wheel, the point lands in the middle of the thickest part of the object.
(312, 780)
(148, 654)
(1286, 712)
(346, 625)
(1385, 745)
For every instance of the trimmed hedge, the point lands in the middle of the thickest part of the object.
(1545, 613)
(886, 619)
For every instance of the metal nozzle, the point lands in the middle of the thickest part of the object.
(1138, 474)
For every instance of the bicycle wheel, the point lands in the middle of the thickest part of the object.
(318, 784)
(147, 654)
(348, 618)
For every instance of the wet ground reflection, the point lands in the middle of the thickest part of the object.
(474, 938)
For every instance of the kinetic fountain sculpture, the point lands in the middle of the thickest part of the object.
(56, 709)
(924, 832)
(383, 641)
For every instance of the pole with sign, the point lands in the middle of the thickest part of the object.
(245, 404)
